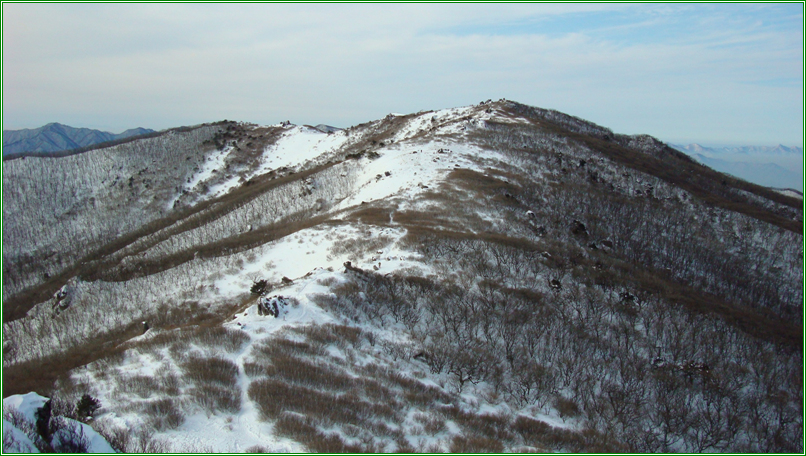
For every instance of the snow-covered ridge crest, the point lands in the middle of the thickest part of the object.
(475, 279)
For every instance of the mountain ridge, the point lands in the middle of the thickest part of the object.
(494, 277)
(56, 137)
(770, 166)
(779, 149)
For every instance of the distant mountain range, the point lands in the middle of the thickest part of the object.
(766, 174)
(771, 166)
(780, 149)
(55, 137)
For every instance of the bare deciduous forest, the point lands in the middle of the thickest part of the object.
(485, 279)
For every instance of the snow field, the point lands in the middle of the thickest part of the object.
(305, 257)
(298, 145)
(212, 164)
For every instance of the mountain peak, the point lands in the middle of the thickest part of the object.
(56, 137)
(488, 278)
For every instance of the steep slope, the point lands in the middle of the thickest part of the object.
(55, 137)
(487, 278)
(57, 210)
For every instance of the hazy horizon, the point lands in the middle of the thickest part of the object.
(720, 73)
(681, 142)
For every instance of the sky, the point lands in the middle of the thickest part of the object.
(716, 74)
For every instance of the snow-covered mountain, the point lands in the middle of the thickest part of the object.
(55, 137)
(495, 277)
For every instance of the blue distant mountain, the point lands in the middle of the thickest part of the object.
(780, 149)
(766, 174)
(55, 137)
(777, 166)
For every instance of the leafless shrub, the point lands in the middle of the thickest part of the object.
(462, 444)
(274, 397)
(540, 434)
(329, 333)
(254, 369)
(228, 339)
(336, 305)
(167, 381)
(215, 398)
(430, 448)
(63, 405)
(18, 420)
(417, 392)
(12, 445)
(304, 431)
(376, 391)
(118, 437)
(327, 281)
(566, 407)
(356, 248)
(399, 350)
(210, 370)
(68, 436)
(431, 424)
(256, 449)
(141, 385)
(163, 414)
(293, 426)
(496, 427)
(178, 349)
(310, 373)
(268, 349)
(143, 441)
(159, 340)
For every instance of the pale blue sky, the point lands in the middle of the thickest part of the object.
(710, 73)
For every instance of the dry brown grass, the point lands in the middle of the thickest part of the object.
(494, 427)
(566, 407)
(214, 398)
(274, 397)
(474, 444)
(329, 333)
(431, 424)
(227, 339)
(541, 434)
(310, 373)
(140, 385)
(41, 374)
(358, 247)
(304, 431)
(210, 370)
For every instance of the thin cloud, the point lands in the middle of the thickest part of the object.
(635, 68)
